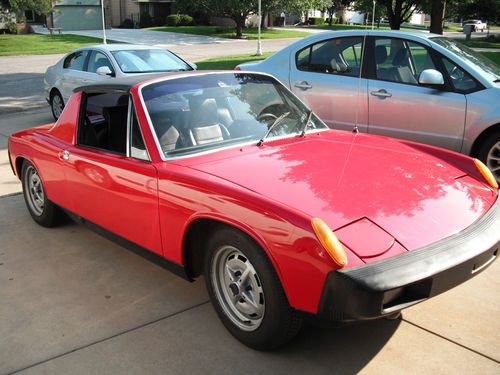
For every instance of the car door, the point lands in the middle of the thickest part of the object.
(113, 183)
(97, 59)
(326, 75)
(400, 107)
(73, 73)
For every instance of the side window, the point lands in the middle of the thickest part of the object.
(103, 122)
(98, 60)
(401, 61)
(461, 81)
(340, 56)
(76, 60)
(137, 145)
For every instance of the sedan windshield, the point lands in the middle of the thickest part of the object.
(148, 61)
(488, 67)
(211, 111)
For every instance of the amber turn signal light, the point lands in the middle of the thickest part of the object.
(488, 176)
(329, 241)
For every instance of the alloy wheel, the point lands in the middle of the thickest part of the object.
(493, 160)
(35, 193)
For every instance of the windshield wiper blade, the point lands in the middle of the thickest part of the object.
(273, 125)
(306, 123)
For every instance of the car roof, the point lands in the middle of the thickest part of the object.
(119, 47)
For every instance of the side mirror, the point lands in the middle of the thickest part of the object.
(431, 77)
(104, 71)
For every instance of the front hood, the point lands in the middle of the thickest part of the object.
(341, 177)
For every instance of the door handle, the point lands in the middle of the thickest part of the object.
(64, 155)
(381, 93)
(304, 85)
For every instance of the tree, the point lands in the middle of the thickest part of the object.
(335, 7)
(37, 6)
(397, 11)
(438, 8)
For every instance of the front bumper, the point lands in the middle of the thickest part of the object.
(384, 287)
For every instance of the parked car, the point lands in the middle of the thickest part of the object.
(231, 176)
(416, 86)
(477, 25)
(102, 62)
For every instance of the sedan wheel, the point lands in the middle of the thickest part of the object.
(493, 160)
(56, 104)
(35, 193)
(246, 291)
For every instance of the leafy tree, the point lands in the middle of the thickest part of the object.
(38, 6)
(397, 11)
(366, 6)
(334, 7)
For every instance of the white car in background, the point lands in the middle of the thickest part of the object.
(98, 63)
(477, 25)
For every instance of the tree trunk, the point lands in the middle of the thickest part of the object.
(437, 16)
(239, 19)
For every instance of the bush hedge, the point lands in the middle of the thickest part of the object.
(316, 20)
(173, 20)
(186, 20)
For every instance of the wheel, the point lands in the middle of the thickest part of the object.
(56, 104)
(43, 211)
(246, 292)
(489, 154)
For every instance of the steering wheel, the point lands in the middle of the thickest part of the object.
(267, 117)
(456, 73)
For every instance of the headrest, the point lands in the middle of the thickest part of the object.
(380, 54)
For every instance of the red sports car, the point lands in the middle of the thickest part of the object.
(229, 175)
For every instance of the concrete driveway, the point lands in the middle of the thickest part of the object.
(71, 302)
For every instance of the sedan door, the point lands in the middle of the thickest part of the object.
(73, 73)
(400, 107)
(326, 76)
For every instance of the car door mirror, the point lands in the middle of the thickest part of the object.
(104, 71)
(431, 77)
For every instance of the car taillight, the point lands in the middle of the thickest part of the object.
(329, 241)
(237, 68)
(488, 176)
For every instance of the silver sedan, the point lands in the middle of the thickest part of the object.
(102, 62)
(417, 86)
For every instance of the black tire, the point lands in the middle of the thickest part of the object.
(279, 322)
(49, 215)
(489, 151)
(55, 98)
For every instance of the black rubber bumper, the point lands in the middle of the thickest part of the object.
(384, 287)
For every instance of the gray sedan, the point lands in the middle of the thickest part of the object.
(102, 62)
(417, 86)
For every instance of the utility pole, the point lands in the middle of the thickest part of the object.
(259, 43)
(373, 15)
(103, 23)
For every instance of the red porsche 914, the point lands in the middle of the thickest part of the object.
(230, 176)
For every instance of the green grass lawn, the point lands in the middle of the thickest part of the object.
(480, 43)
(228, 62)
(494, 56)
(32, 44)
(223, 32)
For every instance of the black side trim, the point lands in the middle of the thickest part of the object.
(177, 269)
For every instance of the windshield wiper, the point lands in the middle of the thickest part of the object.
(306, 123)
(273, 125)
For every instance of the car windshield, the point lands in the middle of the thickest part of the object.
(211, 111)
(148, 61)
(488, 67)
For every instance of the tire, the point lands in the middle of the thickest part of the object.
(270, 322)
(489, 154)
(56, 104)
(42, 210)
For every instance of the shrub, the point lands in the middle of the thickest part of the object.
(316, 20)
(173, 20)
(223, 29)
(146, 20)
(12, 27)
(186, 20)
(127, 24)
